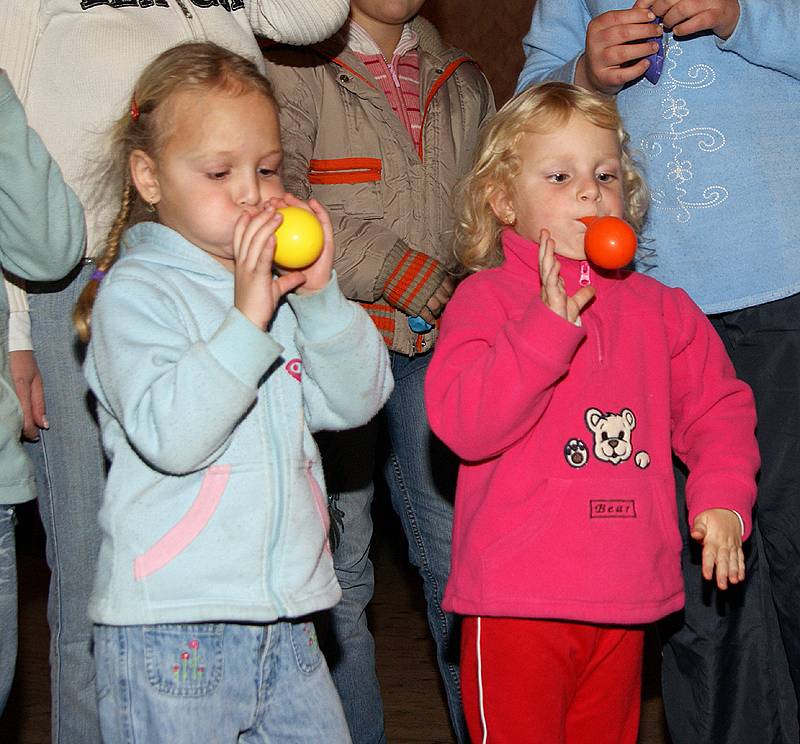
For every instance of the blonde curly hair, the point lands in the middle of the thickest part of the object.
(538, 109)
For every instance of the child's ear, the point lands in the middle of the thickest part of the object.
(145, 176)
(502, 205)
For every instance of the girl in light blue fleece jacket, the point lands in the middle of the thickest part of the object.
(211, 371)
(41, 237)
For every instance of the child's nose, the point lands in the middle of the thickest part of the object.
(248, 193)
(588, 190)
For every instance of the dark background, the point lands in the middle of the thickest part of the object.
(490, 31)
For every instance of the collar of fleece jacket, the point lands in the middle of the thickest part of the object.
(522, 256)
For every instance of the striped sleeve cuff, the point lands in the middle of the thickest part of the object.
(411, 278)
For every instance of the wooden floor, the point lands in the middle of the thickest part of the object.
(414, 704)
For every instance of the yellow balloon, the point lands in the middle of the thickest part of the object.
(299, 239)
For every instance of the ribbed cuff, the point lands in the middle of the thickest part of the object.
(411, 278)
(302, 22)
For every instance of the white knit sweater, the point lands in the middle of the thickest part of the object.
(74, 64)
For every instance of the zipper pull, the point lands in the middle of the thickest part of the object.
(395, 78)
(585, 278)
(183, 8)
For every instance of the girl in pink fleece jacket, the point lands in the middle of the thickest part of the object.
(565, 389)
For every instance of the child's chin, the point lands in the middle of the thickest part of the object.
(576, 254)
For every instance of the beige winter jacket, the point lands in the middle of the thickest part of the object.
(390, 204)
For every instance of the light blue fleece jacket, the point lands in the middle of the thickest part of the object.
(719, 139)
(215, 506)
(41, 238)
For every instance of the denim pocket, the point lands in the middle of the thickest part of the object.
(184, 660)
(107, 655)
(305, 646)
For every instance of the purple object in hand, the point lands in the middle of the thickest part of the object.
(656, 59)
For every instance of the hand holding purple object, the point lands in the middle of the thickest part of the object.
(656, 59)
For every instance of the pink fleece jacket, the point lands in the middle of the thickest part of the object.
(565, 505)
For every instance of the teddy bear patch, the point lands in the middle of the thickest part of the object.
(612, 443)
(576, 453)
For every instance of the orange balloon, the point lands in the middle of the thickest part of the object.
(610, 242)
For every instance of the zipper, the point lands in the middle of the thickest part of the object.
(585, 278)
(183, 7)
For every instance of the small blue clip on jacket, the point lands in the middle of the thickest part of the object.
(418, 324)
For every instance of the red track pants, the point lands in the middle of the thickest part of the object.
(550, 682)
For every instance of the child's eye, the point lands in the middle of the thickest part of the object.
(267, 172)
(606, 177)
(557, 177)
(217, 175)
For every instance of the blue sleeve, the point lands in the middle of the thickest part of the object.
(766, 35)
(177, 401)
(555, 42)
(346, 373)
(41, 220)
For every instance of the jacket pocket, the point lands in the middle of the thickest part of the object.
(345, 170)
(351, 185)
(600, 540)
(320, 501)
(179, 537)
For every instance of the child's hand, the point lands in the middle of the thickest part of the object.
(614, 39)
(720, 531)
(318, 274)
(554, 294)
(435, 305)
(256, 291)
(686, 17)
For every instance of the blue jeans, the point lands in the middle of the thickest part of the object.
(70, 476)
(420, 473)
(8, 603)
(216, 683)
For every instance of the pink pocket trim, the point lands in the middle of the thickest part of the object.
(321, 503)
(177, 539)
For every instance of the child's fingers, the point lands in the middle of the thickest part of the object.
(319, 210)
(279, 202)
(263, 263)
(722, 565)
(544, 239)
(740, 556)
(582, 297)
(708, 561)
(240, 251)
(692, 24)
(735, 561)
(257, 232)
(548, 266)
(553, 286)
(698, 531)
(325, 220)
(733, 565)
(626, 18)
(294, 201)
(288, 282)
